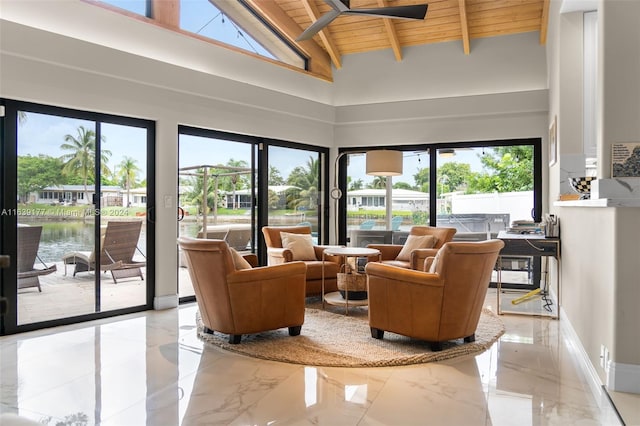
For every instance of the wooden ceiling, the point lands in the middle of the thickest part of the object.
(447, 20)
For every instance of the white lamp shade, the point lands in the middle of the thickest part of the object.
(384, 163)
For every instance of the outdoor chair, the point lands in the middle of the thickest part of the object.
(118, 247)
(28, 245)
(302, 248)
(238, 238)
(436, 306)
(367, 224)
(396, 221)
(422, 242)
(235, 298)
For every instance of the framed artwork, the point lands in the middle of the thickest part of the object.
(553, 141)
(625, 159)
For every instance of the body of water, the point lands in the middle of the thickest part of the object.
(60, 238)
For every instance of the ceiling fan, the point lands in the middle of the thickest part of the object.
(341, 7)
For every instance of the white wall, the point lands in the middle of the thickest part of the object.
(508, 64)
(600, 246)
(517, 204)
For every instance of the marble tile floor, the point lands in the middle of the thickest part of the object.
(151, 369)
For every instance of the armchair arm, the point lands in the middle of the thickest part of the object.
(388, 251)
(252, 258)
(320, 249)
(408, 276)
(418, 257)
(277, 255)
(264, 273)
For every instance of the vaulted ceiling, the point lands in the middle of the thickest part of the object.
(446, 20)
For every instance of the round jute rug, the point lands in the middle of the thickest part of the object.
(330, 338)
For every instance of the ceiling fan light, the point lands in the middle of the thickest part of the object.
(447, 152)
(384, 162)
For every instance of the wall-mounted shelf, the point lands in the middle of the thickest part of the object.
(600, 202)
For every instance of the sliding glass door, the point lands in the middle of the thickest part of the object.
(370, 217)
(216, 191)
(231, 185)
(479, 188)
(73, 179)
(295, 177)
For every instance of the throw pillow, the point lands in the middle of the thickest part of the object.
(238, 261)
(415, 242)
(301, 245)
(434, 264)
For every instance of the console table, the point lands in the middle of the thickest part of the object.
(335, 298)
(539, 301)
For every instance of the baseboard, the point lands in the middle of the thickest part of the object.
(165, 302)
(575, 347)
(623, 377)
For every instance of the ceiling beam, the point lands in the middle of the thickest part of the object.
(392, 34)
(166, 12)
(464, 26)
(544, 22)
(314, 14)
(319, 61)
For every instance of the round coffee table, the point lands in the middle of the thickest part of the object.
(335, 298)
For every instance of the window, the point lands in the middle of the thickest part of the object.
(477, 188)
(65, 166)
(138, 7)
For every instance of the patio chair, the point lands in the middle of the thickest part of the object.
(118, 246)
(396, 221)
(28, 244)
(367, 224)
(238, 238)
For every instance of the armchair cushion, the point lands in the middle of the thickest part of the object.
(415, 242)
(238, 260)
(301, 245)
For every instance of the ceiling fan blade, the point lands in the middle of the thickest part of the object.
(418, 11)
(322, 22)
(338, 5)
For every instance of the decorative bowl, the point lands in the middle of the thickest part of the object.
(582, 185)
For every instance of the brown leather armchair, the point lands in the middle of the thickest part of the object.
(433, 306)
(390, 251)
(276, 254)
(236, 299)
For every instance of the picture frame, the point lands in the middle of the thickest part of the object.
(553, 141)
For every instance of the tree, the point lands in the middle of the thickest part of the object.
(306, 179)
(275, 178)
(422, 179)
(509, 169)
(195, 195)
(128, 172)
(81, 158)
(379, 182)
(355, 185)
(236, 179)
(402, 185)
(36, 173)
(453, 176)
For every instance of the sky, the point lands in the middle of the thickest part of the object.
(203, 18)
(43, 134)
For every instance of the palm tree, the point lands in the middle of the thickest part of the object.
(379, 182)
(128, 172)
(306, 179)
(235, 178)
(81, 158)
